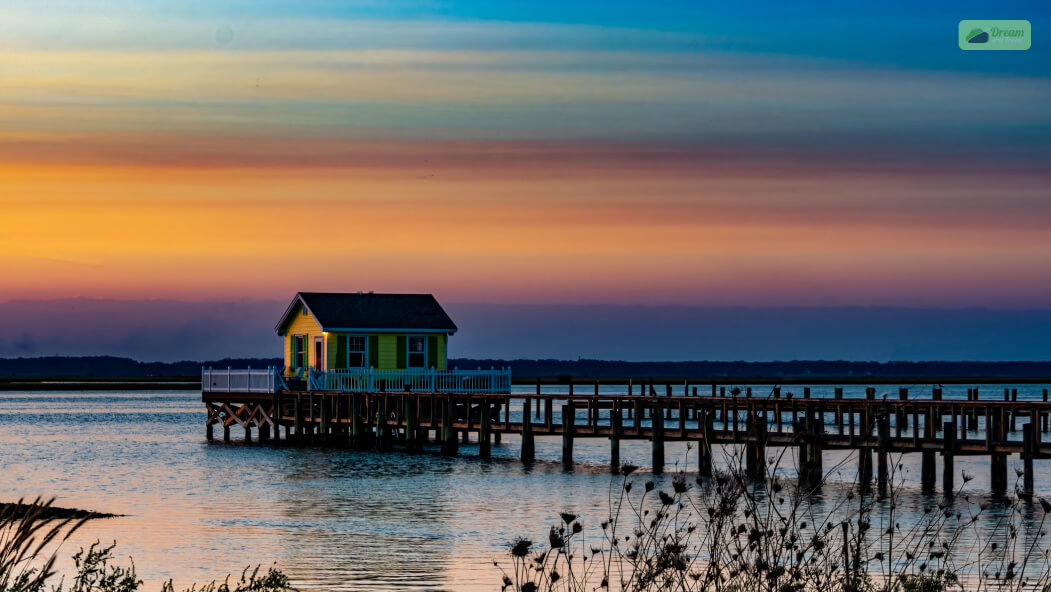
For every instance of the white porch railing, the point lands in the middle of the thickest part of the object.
(370, 380)
(242, 381)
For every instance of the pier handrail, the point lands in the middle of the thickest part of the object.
(370, 380)
(230, 380)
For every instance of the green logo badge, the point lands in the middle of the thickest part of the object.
(995, 35)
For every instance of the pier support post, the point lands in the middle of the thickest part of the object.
(704, 450)
(865, 470)
(927, 468)
(484, 431)
(997, 460)
(412, 428)
(528, 447)
(811, 471)
(248, 433)
(208, 431)
(449, 444)
(615, 419)
(382, 430)
(297, 418)
(882, 464)
(901, 422)
(355, 420)
(323, 402)
(658, 437)
(1028, 451)
(755, 449)
(949, 448)
(568, 421)
(226, 433)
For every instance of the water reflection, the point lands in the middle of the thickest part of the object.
(345, 520)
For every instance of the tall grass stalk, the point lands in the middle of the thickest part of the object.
(30, 539)
(734, 533)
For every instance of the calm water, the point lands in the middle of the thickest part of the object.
(332, 519)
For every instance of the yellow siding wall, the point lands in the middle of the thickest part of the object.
(388, 356)
(301, 325)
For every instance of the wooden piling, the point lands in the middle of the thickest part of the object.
(927, 468)
(382, 431)
(450, 446)
(323, 401)
(484, 432)
(412, 436)
(297, 418)
(1028, 452)
(567, 435)
(948, 449)
(615, 419)
(882, 464)
(657, 440)
(902, 419)
(755, 449)
(528, 446)
(810, 449)
(355, 421)
(704, 449)
(997, 460)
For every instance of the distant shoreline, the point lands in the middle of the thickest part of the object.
(46, 384)
(52, 512)
(114, 373)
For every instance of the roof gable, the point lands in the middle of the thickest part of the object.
(336, 311)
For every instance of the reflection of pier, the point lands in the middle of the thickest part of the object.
(931, 425)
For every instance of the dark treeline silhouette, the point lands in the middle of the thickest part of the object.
(791, 369)
(112, 366)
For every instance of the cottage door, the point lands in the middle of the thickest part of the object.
(319, 353)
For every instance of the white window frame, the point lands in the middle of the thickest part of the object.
(409, 352)
(364, 350)
(294, 361)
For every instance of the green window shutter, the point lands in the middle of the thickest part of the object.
(374, 351)
(401, 352)
(432, 351)
(341, 352)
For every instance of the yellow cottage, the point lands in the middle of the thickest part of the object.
(332, 331)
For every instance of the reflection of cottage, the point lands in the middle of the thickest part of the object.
(333, 331)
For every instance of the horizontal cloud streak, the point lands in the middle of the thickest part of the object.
(204, 150)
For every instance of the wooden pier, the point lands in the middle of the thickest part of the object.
(705, 414)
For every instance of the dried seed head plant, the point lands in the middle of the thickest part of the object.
(734, 532)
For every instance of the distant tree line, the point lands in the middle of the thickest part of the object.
(89, 366)
(740, 369)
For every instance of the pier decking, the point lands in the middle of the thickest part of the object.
(704, 413)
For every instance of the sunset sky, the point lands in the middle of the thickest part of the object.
(662, 153)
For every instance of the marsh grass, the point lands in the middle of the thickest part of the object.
(31, 535)
(735, 533)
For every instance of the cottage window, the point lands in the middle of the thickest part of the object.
(417, 352)
(299, 352)
(356, 352)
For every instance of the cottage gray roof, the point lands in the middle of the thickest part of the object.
(336, 311)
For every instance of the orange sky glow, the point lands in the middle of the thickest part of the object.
(142, 158)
